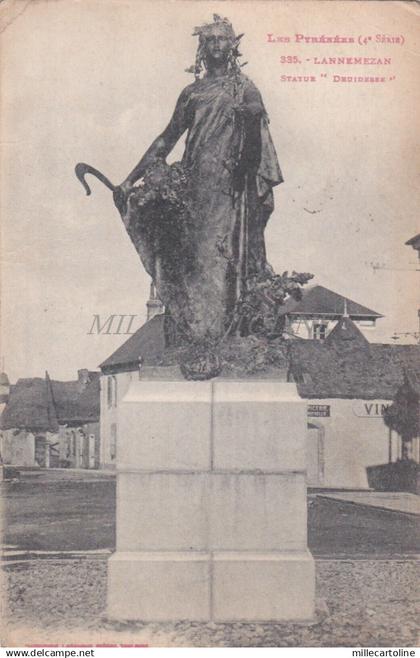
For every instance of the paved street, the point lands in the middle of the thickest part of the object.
(364, 603)
(74, 511)
(396, 501)
(59, 530)
(59, 511)
(342, 529)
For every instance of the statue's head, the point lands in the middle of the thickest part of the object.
(217, 43)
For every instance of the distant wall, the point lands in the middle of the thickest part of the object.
(303, 328)
(17, 447)
(79, 447)
(340, 447)
(113, 389)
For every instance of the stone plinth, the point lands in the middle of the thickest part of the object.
(211, 503)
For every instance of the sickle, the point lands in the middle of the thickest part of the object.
(82, 169)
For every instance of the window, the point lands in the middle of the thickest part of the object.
(73, 443)
(113, 442)
(319, 330)
(111, 391)
(114, 391)
(68, 445)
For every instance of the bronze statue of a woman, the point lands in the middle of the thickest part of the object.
(198, 225)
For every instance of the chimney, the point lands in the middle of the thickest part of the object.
(154, 305)
(83, 376)
(345, 311)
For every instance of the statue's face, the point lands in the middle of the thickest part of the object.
(218, 45)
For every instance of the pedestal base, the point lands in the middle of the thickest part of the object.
(223, 586)
(211, 504)
(159, 586)
(269, 587)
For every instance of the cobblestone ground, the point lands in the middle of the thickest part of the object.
(359, 603)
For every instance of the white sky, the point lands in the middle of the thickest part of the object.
(96, 81)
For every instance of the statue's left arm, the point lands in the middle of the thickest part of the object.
(164, 143)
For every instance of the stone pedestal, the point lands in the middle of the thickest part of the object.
(211, 503)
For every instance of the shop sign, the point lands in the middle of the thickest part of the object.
(370, 408)
(319, 410)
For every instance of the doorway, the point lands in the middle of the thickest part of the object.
(315, 455)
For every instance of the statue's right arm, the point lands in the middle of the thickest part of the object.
(163, 144)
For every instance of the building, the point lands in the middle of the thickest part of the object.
(319, 310)
(51, 423)
(314, 316)
(118, 371)
(415, 243)
(348, 383)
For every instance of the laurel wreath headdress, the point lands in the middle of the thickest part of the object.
(203, 32)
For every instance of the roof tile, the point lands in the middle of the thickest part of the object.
(318, 300)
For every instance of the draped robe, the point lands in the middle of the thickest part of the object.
(232, 167)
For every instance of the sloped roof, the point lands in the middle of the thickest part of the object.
(346, 335)
(374, 371)
(318, 300)
(414, 242)
(148, 341)
(345, 365)
(29, 407)
(40, 405)
(75, 403)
